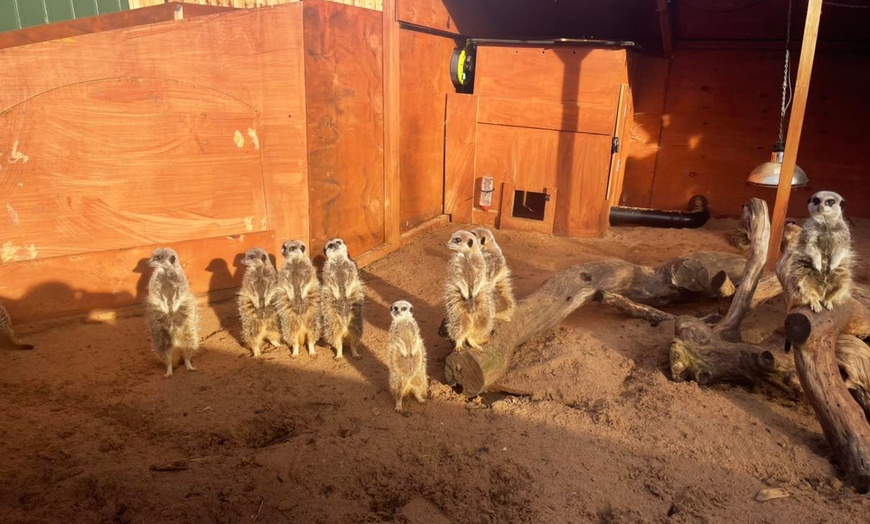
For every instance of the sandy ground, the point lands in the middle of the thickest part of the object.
(92, 432)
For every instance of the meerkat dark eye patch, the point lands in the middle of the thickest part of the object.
(842, 203)
(470, 242)
(830, 202)
(264, 257)
(816, 201)
(302, 249)
(411, 309)
(482, 240)
(171, 259)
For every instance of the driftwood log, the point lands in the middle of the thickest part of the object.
(710, 354)
(814, 337)
(686, 278)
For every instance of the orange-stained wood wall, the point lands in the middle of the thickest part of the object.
(188, 133)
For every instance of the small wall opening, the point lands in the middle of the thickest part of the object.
(530, 205)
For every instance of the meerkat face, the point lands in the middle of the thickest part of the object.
(255, 257)
(163, 257)
(462, 241)
(484, 237)
(335, 248)
(293, 249)
(826, 204)
(402, 309)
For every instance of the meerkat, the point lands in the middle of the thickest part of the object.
(299, 311)
(7, 335)
(816, 271)
(406, 355)
(468, 294)
(342, 299)
(171, 312)
(498, 273)
(258, 301)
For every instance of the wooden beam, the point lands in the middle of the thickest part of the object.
(665, 25)
(795, 123)
(392, 187)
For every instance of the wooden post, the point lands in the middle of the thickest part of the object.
(392, 187)
(795, 123)
(665, 25)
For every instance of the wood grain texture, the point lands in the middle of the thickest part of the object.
(465, 17)
(649, 86)
(345, 104)
(623, 123)
(721, 120)
(131, 115)
(795, 127)
(53, 287)
(424, 84)
(392, 111)
(121, 163)
(107, 22)
(460, 156)
(508, 221)
(577, 164)
(564, 74)
(540, 114)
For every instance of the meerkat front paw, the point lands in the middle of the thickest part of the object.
(816, 306)
(828, 305)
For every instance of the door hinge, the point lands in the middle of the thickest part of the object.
(614, 145)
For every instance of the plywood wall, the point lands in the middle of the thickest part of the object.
(188, 133)
(720, 119)
(345, 110)
(424, 83)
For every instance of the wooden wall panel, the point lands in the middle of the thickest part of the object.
(459, 163)
(581, 118)
(722, 117)
(120, 163)
(649, 85)
(424, 84)
(188, 86)
(344, 86)
(563, 74)
(577, 164)
(66, 285)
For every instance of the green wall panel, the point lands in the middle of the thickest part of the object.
(108, 6)
(59, 10)
(84, 8)
(31, 12)
(8, 15)
(18, 14)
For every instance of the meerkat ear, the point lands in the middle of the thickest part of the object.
(470, 242)
(171, 259)
(264, 257)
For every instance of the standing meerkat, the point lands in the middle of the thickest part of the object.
(468, 294)
(7, 335)
(498, 273)
(816, 271)
(171, 311)
(258, 301)
(300, 301)
(342, 299)
(406, 355)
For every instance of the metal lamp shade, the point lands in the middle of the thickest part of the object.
(767, 174)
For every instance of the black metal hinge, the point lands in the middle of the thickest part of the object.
(614, 145)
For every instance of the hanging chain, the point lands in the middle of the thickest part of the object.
(785, 74)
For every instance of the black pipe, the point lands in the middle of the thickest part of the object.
(696, 216)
